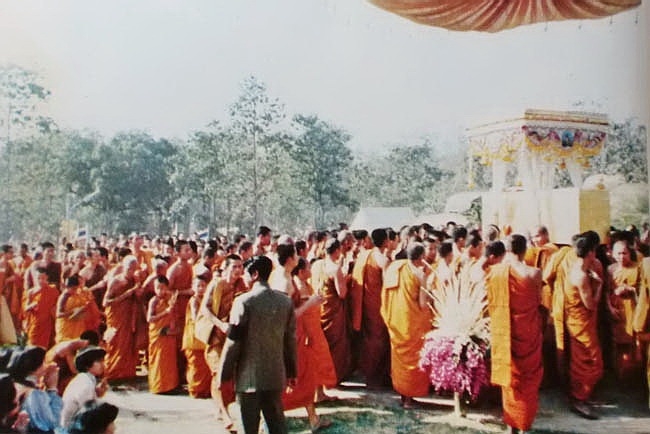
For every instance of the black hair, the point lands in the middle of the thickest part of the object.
(516, 243)
(91, 336)
(285, 251)
(444, 249)
(93, 418)
(302, 264)
(260, 265)
(459, 232)
(72, 281)
(415, 251)
(360, 234)
(584, 245)
(474, 239)
(7, 395)
(24, 362)
(263, 231)
(47, 245)
(495, 248)
(379, 237)
(180, 244)
(246, 245)
(332, 246)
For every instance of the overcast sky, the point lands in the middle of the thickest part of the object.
(170, 67)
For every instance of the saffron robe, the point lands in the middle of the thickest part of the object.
(407, 324)
(581, 324)
(163, 365)
(39, 321)
(513, 304)
(374, 358)
(121, 355)
(198, 373)
(67, 329)
(334, 320)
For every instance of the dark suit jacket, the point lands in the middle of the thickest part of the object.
(260, 352)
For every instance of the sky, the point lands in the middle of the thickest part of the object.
(171, 67)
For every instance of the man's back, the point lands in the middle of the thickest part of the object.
(265, 322)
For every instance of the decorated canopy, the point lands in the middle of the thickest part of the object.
(536, 144)
(497, 15)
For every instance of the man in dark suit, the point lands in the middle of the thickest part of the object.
(260, 352)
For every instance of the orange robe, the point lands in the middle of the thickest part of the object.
(307, 378)
(374, 359)
(334, 320)
(516, 344)
(198, 372)
(11, 289)
(407, 324)
(581, 324)
(121, 355)
(71, 328)
(163, 364)
(40, 320)
(539, 257)
(180, 279)
(223, 295)
(623, 331)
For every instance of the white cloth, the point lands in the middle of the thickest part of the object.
(79, 391)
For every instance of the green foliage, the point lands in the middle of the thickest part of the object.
(624, 153)
(408, 175)
(249, 169)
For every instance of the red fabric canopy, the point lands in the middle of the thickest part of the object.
(497, 15)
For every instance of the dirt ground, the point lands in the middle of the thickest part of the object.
(360, 411)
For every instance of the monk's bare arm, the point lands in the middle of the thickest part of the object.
(340, 282)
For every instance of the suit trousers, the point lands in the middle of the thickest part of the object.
(269, 402)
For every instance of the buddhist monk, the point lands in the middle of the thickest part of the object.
(538, 255)
(72, 309)
(215, 307)
(581, 292)
(308, 331)
(180, 280)
(494, 253)
(54, 269)
(198, 375)
(121, 305)
(329, 281)
(280, 278)
(514, 301)
(367, 275)
(323, 363)
(40, 311)
(404, 308)
(163, 366)
(8, 289)
(144, 256)
(624, 283)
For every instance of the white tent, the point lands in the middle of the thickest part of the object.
(382, 217)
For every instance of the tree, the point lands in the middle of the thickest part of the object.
(254, 116)
(406, 176)
(20, 94)
(624, 153)
(323, 160)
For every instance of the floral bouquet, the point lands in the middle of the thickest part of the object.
(454, 352)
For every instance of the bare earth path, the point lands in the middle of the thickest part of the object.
(358, 411)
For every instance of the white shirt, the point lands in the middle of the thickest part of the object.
(79, 391)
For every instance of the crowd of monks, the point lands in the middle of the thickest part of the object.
(560, 314)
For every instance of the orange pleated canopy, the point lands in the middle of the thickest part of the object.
(497, 15)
